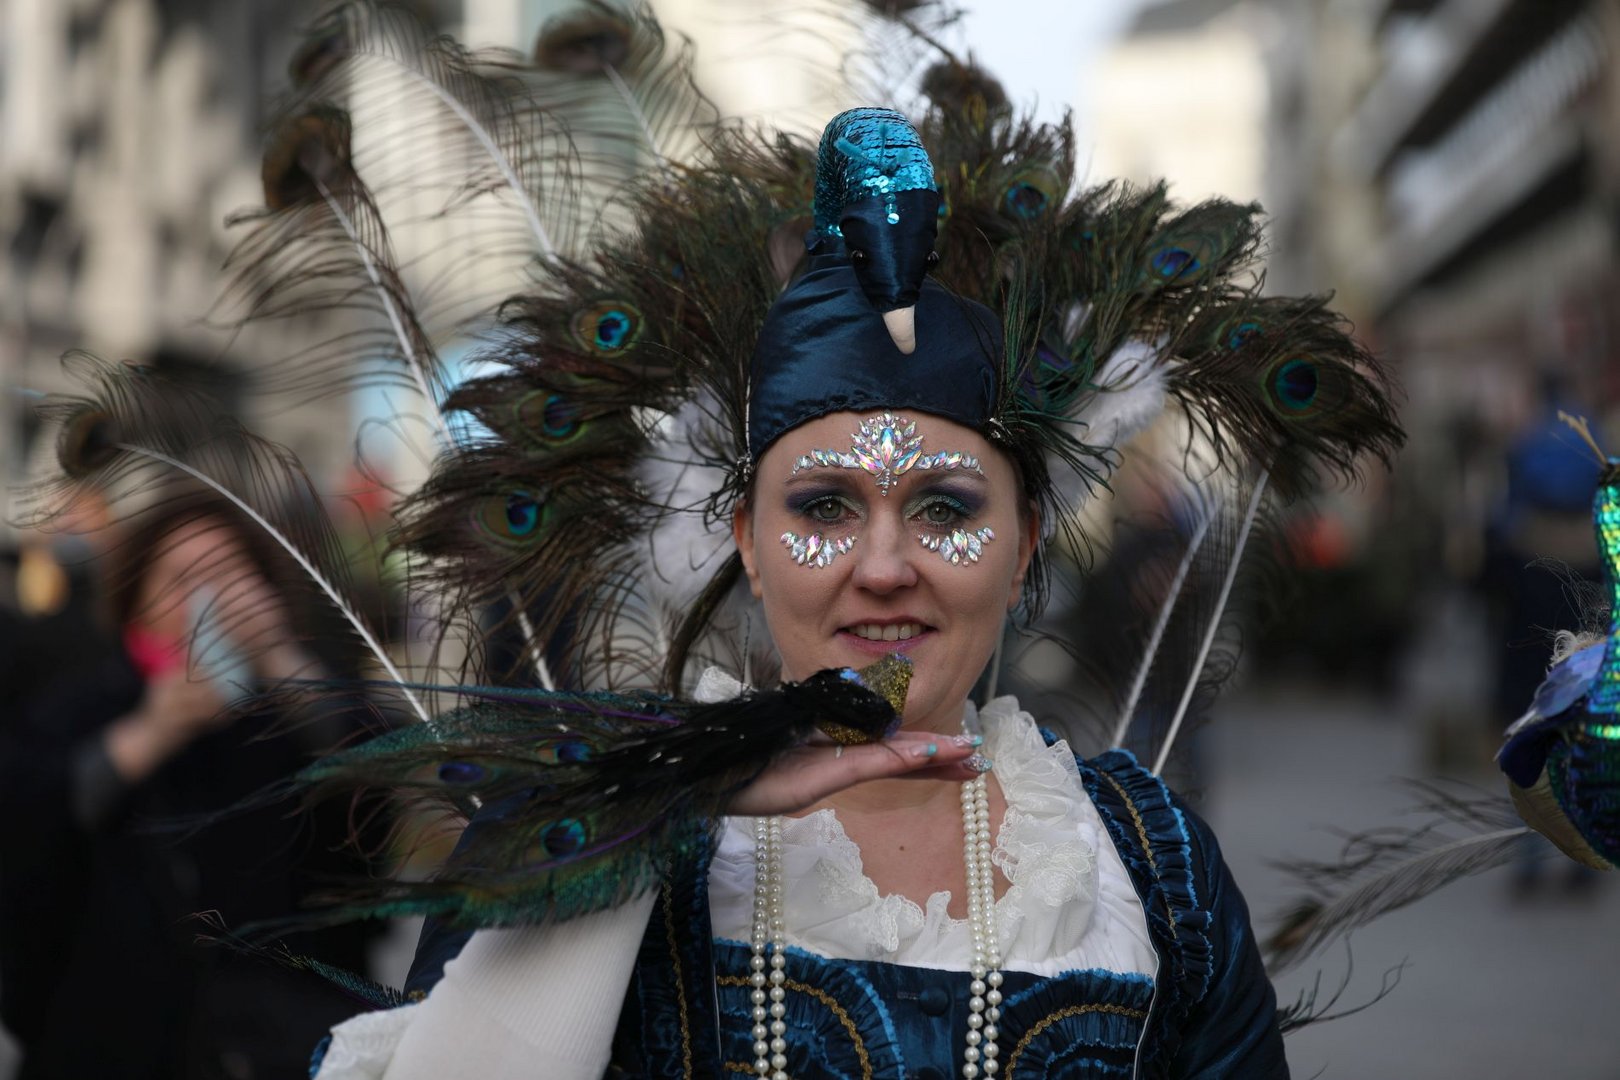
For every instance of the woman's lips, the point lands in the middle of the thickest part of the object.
(888, 630)
(857, 637)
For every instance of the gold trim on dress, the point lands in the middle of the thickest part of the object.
(1063, 1014)
(680, 983)
(858, 1044)
(1147, 846)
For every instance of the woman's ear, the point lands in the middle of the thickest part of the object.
(1029, 535)
(742, 534)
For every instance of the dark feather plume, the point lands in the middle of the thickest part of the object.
(587, 797)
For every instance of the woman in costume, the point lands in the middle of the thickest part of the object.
(893, 419)
(899, 907)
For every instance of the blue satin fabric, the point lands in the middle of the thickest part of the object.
(890, 259)
(854, 1019)
(824, 349)
(1210, 1013)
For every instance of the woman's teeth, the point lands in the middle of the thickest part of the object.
(894, 632)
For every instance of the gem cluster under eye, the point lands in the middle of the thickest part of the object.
(815, 550)
(960, 547)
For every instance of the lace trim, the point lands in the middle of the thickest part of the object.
(1050, 863)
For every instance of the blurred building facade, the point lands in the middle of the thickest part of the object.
(1451, 167)
(1182, 96)
(131, 130)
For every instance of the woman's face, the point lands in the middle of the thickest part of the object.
(849, 538)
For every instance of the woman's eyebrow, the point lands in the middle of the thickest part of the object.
(953, 475)
(824, 476)
(821, 473)
(921, 483)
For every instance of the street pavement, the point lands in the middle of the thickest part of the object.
(1492, 986)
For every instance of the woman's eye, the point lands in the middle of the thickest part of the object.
(825, 511)
(942, 512)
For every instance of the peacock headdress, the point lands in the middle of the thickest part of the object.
(695, 288)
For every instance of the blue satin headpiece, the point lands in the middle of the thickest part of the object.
(824, 346)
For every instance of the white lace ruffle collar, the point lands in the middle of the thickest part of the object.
(1070, 903)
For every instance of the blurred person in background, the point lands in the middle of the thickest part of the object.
(119, 724)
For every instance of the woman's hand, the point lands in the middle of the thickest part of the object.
(174, 711)
(203, 572)
(807, 774)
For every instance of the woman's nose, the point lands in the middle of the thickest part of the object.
(884, 561)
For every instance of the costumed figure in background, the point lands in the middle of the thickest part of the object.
(863, 445)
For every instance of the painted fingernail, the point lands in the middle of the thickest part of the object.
(928, 751)
(979, 763)
(968, 740)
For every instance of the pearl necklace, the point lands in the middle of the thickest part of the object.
(766, 977)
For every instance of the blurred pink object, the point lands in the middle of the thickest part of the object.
(152, 654)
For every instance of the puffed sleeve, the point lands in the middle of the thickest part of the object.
(1231, 1031)
(520, 1003)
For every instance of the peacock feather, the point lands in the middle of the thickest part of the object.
(582, 800)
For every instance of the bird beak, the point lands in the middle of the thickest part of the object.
(902, 324)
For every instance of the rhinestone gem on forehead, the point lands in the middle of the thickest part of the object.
(815, 550)
(886, 446)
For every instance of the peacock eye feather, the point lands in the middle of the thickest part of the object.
(573, 753)
(461, 772)
(563, 839)
(1293, 386)
(1199, 243)
(1238, 335)
(1172, 262)
(87, 443)
(512, 518)
(551, 417)
(1031, 192)
(1051, 375)
(1024, 200)
(607, 327)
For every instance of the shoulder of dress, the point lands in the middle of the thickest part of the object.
(1165, 848)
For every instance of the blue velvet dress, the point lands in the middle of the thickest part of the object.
(1209, 1013)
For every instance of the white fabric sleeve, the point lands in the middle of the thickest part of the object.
(512, 1002)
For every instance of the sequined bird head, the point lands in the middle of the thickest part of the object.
(864, 328)
(875, 191)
